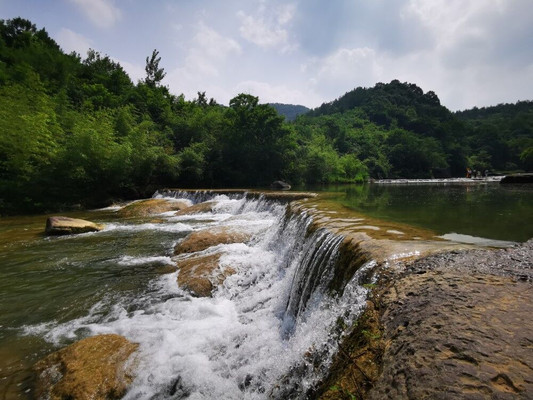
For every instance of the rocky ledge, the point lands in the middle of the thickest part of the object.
(454, 325)
(148, 207)
(67, 226)
(94, 368)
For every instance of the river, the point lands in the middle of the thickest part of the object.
(259, 327)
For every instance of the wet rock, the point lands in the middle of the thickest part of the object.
(205, 207)
(200, 275)
(66, 226)
(449, 325)
(93, 368)
(201, 240)
(455, 327)
(149, 207)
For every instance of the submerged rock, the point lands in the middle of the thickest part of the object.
(149, 207)
(94, 368)
(66, 226)
(201, 240)
(200, 275)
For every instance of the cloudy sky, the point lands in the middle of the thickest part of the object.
(469, 52)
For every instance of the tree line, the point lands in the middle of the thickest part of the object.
(78, 131)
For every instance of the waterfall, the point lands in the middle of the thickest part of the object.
(269, 331)
(315, 268)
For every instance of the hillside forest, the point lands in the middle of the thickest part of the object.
(77, 130)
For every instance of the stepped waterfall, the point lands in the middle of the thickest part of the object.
(269, 330)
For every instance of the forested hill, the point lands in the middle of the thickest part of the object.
(420, 137)
(503, 134)
(289, 111)
(77, 130)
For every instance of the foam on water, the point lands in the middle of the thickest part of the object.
(235, 344)
(163, 227)
(130, 260)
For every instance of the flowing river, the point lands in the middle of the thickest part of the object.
(268, 331)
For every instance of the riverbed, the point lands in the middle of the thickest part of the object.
(240, 342)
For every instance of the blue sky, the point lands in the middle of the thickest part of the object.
(470, 52)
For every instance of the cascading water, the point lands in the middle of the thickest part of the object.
(269, 331)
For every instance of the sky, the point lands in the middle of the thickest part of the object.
(469, 52)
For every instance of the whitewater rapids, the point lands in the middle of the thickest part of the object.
(269, 331)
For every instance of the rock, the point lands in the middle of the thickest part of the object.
(280, 185)
(449, 325)
(200, 275)
(93, 368)
(517, 178)
(201, 240)
(470, 328)
(199, 208)
(149, 207)
(66, 226)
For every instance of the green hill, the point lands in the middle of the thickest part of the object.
(289, 111)
(78, 131)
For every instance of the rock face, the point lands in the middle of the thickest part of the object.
(456, 336)
(200, 275)
(457, 328)
(518, 178)
(149, 207)
(453, 325)
(201, 240)
(67, 226)
(91, 369)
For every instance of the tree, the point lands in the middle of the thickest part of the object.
(154, 74)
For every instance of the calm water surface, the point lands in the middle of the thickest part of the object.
(491, 211)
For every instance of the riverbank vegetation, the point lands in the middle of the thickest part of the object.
(78, 131)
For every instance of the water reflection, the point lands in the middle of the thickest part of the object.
(491, 210)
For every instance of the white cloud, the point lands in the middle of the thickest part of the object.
(345, 69)
(269, 93)
(268, 30)
(212, 46)
(71, 41)
(207, 54)
(135, 71)
(101, 13)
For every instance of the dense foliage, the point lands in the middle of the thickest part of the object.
(501, 136)
(78, 131)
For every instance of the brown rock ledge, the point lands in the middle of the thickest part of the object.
(455, 325)
(93, 368)
(201, 274)
(67, 226)
(201, 240)
(144, 208)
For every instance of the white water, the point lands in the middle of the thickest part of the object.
(263, 332)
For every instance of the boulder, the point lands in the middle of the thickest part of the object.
(201, 240)
(145, 208)
(280, 185)
(517, 178)
(65, 226)
(205, 207)
(200, 275)
(93, 368)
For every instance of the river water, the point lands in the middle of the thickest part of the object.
(265, 325)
